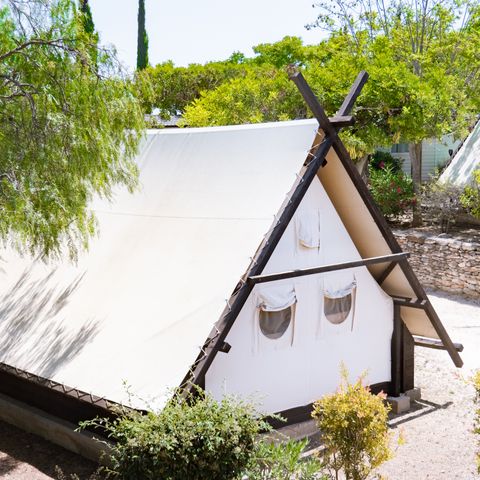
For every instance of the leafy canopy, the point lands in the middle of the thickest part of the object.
(422, 59)
(69, 126)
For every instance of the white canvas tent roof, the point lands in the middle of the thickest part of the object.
(140, 304)
(465, 162)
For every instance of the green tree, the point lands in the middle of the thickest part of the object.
(435, 43)
(288, 51)
(260, 96)
(142, 40)
(171, 89)
(69, 127)
(88, 24)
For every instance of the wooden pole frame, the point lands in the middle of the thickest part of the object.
(301, 272)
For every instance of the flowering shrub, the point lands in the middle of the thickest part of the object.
(392, 190)
(381, 160)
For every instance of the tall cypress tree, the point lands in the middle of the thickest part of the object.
(88, 24)
(142, 42)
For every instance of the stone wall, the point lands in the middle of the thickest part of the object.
(443, 262)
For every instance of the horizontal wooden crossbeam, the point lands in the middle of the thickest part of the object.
(408, 302)
(272, 277)
(340, 122)
(434, 343)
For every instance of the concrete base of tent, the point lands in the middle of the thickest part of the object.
(400, 404)
(296, 431)
(53, 429)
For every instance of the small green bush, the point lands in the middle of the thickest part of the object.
(392, 191)
(471, 196)
(199, 439)
(284, 462)
(354, 429)
(476, 427)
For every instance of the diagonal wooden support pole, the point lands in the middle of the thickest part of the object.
(326, 125)
(353, 94)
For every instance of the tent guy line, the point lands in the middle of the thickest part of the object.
(179, 217)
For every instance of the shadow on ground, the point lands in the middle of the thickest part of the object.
(418, 409)
(24, 456)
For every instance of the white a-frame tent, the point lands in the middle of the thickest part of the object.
(460, 170)
(250, 262)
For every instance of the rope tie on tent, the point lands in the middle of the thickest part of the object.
(300, 178)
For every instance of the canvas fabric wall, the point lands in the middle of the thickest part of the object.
(281, 374)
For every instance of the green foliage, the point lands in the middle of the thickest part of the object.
(288, 51)
(142, 40)
(171, 88)
(443, 204)
(391, 190)
(381, 160)
(198, 439)
(251, 99)
(69, 128)
(476, 426)
(354, 430)
(284, 462)
(88, 24)
(470, 198)
(423, 61)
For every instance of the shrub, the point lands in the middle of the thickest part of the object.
(471, 196)
(380, 160)
(392, 191)
(476, 428)
(284, 462)
(353, 423)
(199, 439)
(443, 203)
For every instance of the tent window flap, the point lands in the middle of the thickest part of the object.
(276, 310)
(339, 296)
(308, 229)
(274, 324)
(337, 309)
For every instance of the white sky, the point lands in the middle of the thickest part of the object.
(196, 31)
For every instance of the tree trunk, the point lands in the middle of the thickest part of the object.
(362, 167)
(415, 151)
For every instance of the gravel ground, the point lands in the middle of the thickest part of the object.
(439, 443)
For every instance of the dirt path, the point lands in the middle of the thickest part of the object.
(24, 456)
(439, 444)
